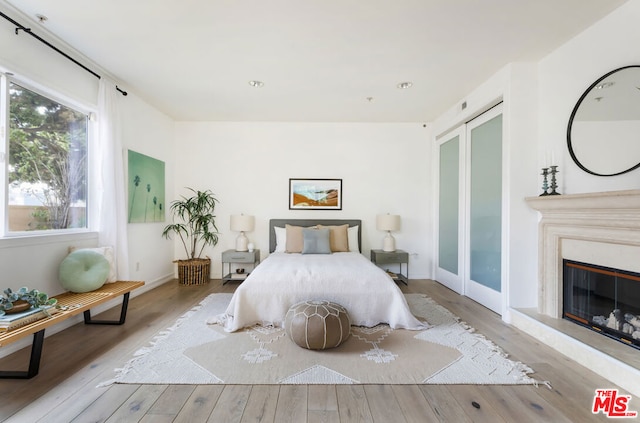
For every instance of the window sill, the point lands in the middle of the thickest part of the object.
(46, 238)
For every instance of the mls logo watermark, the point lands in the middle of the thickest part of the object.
(611, 404)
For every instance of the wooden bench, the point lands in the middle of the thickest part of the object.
(70, 304)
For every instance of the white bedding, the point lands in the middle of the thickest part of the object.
(366, 291)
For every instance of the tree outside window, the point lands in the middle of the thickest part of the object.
(47, 172)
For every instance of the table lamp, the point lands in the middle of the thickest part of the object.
(388, 222)
(242, 224)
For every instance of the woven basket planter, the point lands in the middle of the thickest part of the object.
(194, 271)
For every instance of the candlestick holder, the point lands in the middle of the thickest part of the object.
(545, 183)
(554, 170)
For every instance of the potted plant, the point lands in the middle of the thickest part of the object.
(23, 299)
(194, 223)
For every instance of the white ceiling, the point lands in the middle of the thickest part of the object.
(319, 60)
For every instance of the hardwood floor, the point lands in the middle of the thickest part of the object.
(79, 358)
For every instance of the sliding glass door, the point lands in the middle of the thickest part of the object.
(469, 228)
(449, 263)
(484, 283)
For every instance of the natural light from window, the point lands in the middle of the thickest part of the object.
(47, 163)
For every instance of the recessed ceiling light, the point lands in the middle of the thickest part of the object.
(256, 84)
(405, 85)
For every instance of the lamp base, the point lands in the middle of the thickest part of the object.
(389, 243)
(242, 242)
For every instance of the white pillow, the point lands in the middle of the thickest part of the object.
(107, 252)
(352, 235)
(281, 239)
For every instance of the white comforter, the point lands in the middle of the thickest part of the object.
(366, 291)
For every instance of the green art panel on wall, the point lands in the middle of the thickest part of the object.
(146, 188)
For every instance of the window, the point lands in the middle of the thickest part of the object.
(46, 173)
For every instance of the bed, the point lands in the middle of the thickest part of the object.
(286, 278)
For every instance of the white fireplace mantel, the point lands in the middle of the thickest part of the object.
(609, 219)
(594, 202)
(599, 228)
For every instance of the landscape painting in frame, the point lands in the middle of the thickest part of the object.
(146, 188)
(315, 194)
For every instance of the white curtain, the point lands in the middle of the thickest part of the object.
(112, 206)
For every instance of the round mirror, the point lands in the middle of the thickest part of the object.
(604, 128)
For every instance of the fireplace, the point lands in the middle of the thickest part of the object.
(601, 228)
(603, 299)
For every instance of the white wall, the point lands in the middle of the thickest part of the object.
(383, 167)
(147, 131)
(567, 72)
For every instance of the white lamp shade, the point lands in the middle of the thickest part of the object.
(388, 222)
(242, 223)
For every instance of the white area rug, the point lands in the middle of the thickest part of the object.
(193, 352)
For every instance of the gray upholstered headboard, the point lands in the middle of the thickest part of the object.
(311, 222)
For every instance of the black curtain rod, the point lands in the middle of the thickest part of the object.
(48, 44)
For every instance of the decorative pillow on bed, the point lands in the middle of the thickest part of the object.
(352, 235)
(295, 241)
(316, 241)
(338, 239)
(281, 239)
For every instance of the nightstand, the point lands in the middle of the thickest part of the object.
(399, 257)
(230, 257)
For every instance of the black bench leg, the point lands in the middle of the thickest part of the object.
(34, 361)
(123, 315)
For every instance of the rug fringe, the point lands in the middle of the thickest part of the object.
(519, 366)
(542, 382)
(522, 371)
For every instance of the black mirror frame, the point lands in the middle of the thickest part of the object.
(573, 114)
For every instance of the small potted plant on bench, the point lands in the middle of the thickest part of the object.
(196, 228)
(24, 299)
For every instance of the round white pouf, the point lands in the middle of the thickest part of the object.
(83, 271)
(317, 325)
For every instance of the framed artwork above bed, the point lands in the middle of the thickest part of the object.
(315, 194)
